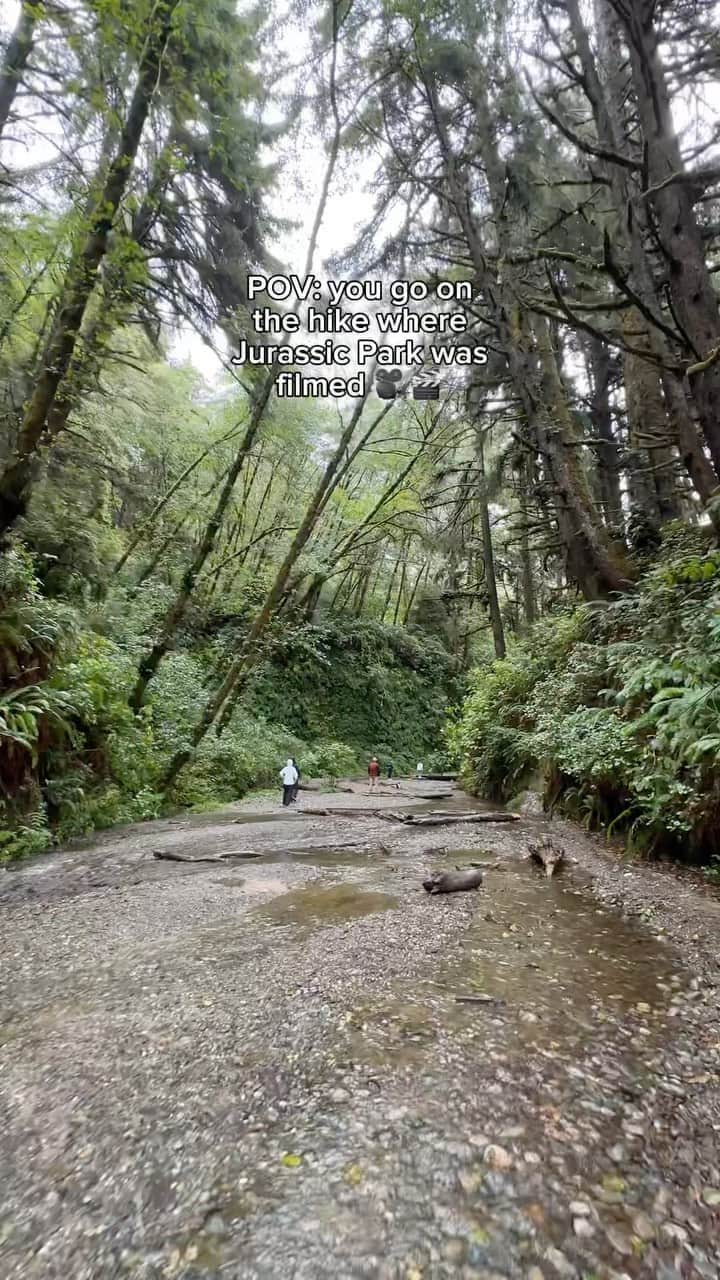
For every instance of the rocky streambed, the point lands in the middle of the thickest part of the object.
(293, 1062)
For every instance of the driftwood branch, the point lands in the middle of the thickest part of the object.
(548, 854)
(168, 855)
(441, 819)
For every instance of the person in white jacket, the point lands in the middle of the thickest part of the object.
(289, 776)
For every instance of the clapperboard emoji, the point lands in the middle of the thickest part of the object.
(426, 385)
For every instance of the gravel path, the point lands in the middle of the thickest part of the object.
(300, 1065)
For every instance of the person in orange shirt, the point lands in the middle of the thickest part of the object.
(373, 774)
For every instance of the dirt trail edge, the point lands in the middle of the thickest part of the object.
(293, 1062)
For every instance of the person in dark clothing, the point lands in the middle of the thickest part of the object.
(390, 769)
(296, 787)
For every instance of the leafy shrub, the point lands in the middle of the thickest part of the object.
(619, 705)
(31, 835)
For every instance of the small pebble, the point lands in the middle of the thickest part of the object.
(643, 1227)
(579, 1209)
(497, 1157)
(583, 1228)
(674, 1232)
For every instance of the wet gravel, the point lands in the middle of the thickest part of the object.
(261, 1069)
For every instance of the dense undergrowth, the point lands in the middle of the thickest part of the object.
(74, 757)
(617, 707)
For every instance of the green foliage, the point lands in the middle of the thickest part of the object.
(494, 738)
(383, 690)
(32, 835)
(619, 705)
(76, 758)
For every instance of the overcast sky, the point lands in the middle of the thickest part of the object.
(295, 198)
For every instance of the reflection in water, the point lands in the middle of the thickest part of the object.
(313, 906)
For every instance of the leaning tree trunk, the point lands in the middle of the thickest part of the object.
(16, 57)
(80, 280)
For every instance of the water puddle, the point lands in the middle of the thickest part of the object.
(253, 885)
(541, 962)
(314, 907)
(325, 856)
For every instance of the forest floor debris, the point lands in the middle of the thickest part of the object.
(303, 1075)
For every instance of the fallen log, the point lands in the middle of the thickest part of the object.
(426, 795)
(343, 813)
(444, 820)
(437, 818)
(548, 854)
(335, 846)
(167, 855)
(452, 881)
(441, 817)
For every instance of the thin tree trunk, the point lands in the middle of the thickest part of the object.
(607, 453)
(401, 588)
(424, 570)
(153, 658)
(648, 421)
(219, 706)
(16, 57)
(496, 622)
(242, 557)
(152, 564)
(16, 478)
(344, 577)
(159, 506)
(391, 587)
(526, 574)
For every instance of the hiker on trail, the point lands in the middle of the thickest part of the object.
(373, 774)
(296, 788)
(419, 771)
(390, 769)
(289, 776)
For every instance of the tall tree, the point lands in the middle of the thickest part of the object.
(36, 427)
